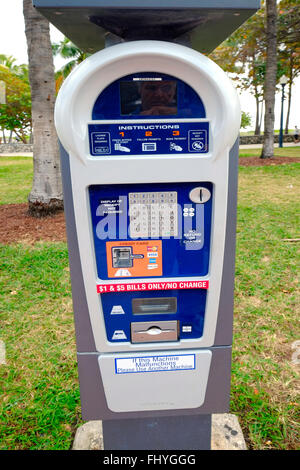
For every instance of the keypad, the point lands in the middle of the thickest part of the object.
(153, 214)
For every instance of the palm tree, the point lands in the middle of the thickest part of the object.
(8, 61)
(21, 71)
(67, 50)
(46, 194)
(270, 79)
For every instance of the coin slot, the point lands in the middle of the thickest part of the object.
(200, 195)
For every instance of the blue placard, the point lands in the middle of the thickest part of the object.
(186, 253)
(159, 138)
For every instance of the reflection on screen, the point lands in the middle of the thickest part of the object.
(148, 98)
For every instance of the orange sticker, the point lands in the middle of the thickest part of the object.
(134, 258)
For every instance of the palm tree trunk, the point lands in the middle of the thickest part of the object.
(270, 80)
(46, 194)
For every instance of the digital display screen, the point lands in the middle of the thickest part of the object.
(148, 98)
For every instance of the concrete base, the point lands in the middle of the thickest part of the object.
(226, 434)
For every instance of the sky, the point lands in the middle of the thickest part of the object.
(13, 43)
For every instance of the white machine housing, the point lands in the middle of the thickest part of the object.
(160, 390)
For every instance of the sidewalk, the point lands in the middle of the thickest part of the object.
(19, 154)
(259, 146)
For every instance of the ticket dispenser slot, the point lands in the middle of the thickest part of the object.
(144, 332)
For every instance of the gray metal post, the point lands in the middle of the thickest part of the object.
(168, 433)
(281, 118)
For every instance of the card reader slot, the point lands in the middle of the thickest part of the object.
(122, 257)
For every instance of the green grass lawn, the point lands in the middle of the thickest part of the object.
(265, 392)
(15, 179)
(39, 402)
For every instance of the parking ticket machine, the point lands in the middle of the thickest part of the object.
(149, 132)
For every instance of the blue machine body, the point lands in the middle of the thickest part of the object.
(186, 254)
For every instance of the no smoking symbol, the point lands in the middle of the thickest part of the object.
(198, 145)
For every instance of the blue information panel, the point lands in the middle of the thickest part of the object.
(149, 138)
(141, 217)
(151, 231)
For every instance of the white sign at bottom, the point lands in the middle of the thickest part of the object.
(132, 365)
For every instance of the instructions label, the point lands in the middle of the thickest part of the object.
(144, 138)
(133, 365)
